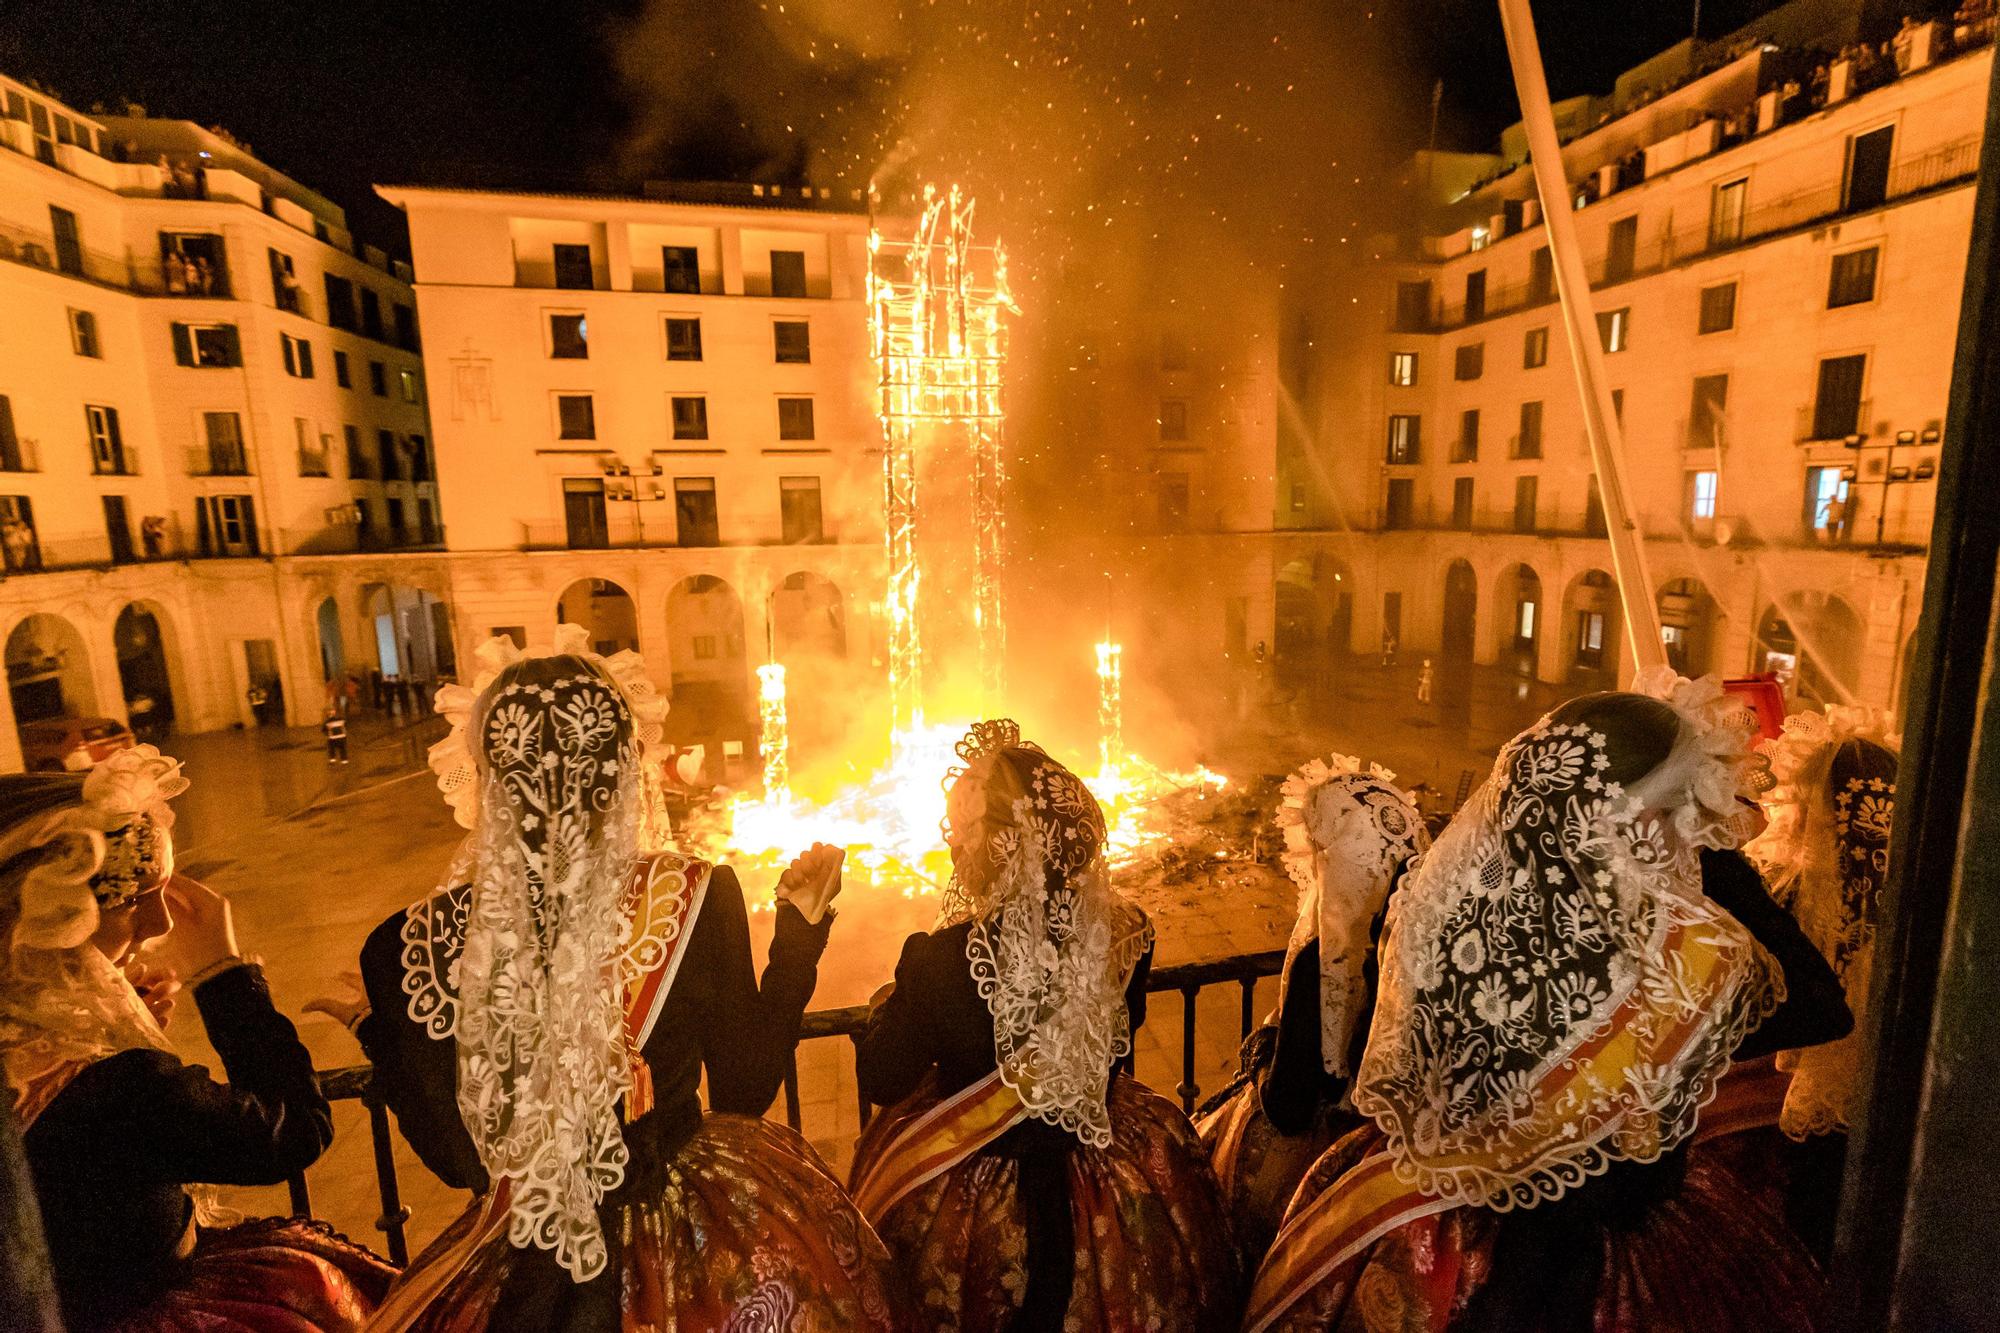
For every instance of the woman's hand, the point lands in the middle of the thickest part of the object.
(204, 932)
(347, 1008)
(880, 998)
(157, 986)
(812, 881)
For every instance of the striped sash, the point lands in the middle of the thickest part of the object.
(424, 1282)
(932, 1142)
(1750, 1096)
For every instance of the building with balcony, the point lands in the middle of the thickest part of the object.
(214, 433)
(656, 417)
(1776, 243)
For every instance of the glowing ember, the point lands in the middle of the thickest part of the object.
(1110, 706)
(774, 739)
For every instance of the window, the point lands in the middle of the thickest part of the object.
(420, 459)
(378, 379)
(569, 338)
(792, 342)
(1853, 279)
(83, 334)
(371, 318)
(1535, 348)
(1707, 409)
(1590, 640)
(226, 525)
(1837, 403)
(12, 457)
(683, 339)
(1524, 504)
(1413, 306)
(799, 510)
(118, 530)
(1593, 512)
(107, 446)
(343, 375)
(1402, 497)
(1622, 249)
(690, 417)
(1172, 499)
(408, 380)
(1614, 328)
(406, 327)
(194, 264)
(1461, 503)
(573, 267)
(1528, 444)
(388, 457)
(312, 449)
(1718, 308)
(357, 461)
(788, 273)
(364, 524)
(1469, 361)
(69, 241)
(795, 418)
(704, 648)
(1618, 405)
(1541, 275)
(1405, 438)
(576, 416)
(224, 434)
(1173, 352)
(1725, 213)
(694, 511)
(1403, 368)
(1298, 497)
(1525, 616)
(1826, 501)
(285, 283)
(1475, 295)
(340, 304)
(22, 548)
(207, 345)
(298, 354)
(1465, 449)
(427, 531)
(1867, 183)
(1173, 419)
(681, 267)
(1701, 487)
(584, 524)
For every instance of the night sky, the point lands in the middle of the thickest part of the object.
(1074, 105)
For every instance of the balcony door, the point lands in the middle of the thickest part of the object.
(583, 513)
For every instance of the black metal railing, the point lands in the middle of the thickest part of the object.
(356, 1082)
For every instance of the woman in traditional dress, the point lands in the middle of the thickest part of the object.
(116, 1128)
(1564, 978)
(1781, 1122)
(540, 1027)
(1349, 834)
(1020, 1184)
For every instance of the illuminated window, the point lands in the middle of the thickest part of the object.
(569, 337)
(1403, 368)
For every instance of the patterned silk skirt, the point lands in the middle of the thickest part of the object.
(273, 1275)
(749, 1231)
(1151, 1245)
(1709, 1257)
(1258, 1168)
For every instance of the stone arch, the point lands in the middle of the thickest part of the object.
(1812, 642)
(49, 677)
(332, 647)
(1594, 622)
(146, 647)
(1518, 620)
(605, 610)
(1690, 626)
(808, 617)
(1295, 618)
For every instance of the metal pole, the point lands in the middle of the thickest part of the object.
(1600, 418)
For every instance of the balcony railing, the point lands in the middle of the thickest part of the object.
(618, 534)
(356, 1082)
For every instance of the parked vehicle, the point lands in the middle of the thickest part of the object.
(76, 744)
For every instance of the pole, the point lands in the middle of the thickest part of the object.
(1600, 419)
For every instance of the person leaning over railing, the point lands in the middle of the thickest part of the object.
(540, 1026)
(1349, 835)
(1020, 1183)
(116, 1129)
(1564, 980)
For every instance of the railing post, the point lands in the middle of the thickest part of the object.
(793, 1114)
(1188, 1090)
(867, 1111)
(1249, 985)
(394, 1214)
(302, 1203)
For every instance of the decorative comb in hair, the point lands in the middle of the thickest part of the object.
(988, 738)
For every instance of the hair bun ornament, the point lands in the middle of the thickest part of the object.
(134, 783)
(1294, 815)
(1728, 772)
(988, 738)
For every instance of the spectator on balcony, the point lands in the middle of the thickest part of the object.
(1564, 979)
(120, 1135)
(1019, 1178)
(1349, 835)
(541, 1024)
(1826, 857)
(153, 536)
(17, 541)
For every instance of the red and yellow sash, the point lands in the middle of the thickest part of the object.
(1370, 1200)
(667, 892)
(42, 1088)
(1750, 1096)
(931, 1142)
